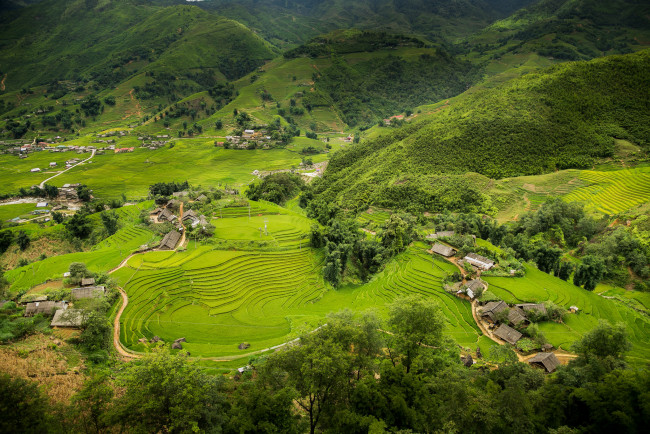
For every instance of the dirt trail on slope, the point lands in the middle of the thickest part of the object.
(138, 109)
(2, 83)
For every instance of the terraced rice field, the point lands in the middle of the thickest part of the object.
(376, 216)
(537, 286)
(613, 192)
(218, 299)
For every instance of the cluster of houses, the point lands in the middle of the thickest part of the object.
(62, 313)
(247, 137)
(150, 142)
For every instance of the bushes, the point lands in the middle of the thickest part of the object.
(276, 188)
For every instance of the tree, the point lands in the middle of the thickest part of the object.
(6, 238)
(22, 239)
(79, 226)
(22, 406)
(589, 273)
(84, 193)
(605, 341)
(547, 257)
(186, 398)
(96, 332)
(110, 221)
(58, 217)
(90, 405)
(564, 270)
(416, 323)
(397, 233)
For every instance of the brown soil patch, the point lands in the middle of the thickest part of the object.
(529, 187)
(2, 83)
(52, 284)
(51, 247)
(48, 361)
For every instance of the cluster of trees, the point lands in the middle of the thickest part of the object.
(345, 245)
(355, 373)
(276, 188)
(167, 188)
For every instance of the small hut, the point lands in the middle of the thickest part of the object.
(547, 361)
(443, 250)
(508, 334)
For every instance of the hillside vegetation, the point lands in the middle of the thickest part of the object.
(109, 41)
(563, 117)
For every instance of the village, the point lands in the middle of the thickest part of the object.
(501, 322)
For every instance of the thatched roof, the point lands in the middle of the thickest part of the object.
(190, 215)
(88, 292)
(508, 334)
(87, 281)
(492, 308)
(177, 346)
(166, 215)
(516, 316)
(467, 361)
(170, 240)
(244, 345)
(443, 250)
(68, 318)
(527, 307)
(548, 361)
(43, 307)
(476, 284)
(440, 234)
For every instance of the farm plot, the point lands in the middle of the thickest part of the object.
(537, 286)
(287, 231)
(615, 191)
(218, 299)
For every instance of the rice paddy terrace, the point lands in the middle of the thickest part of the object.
(218, 299)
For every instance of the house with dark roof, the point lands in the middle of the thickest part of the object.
(190, 215)
(491, 309)
(479, 261)
(547, 361)
(87, 281)
(508, 334)
(88, 292)
(44, 307)
(535, 307)
(166, 215)
(170, 240)
(517, 316)
(443, 250)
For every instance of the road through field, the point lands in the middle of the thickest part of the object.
(69, 168)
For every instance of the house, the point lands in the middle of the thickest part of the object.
(53, 164)
(156, 212)
(35, 169)
(508, 334)
(190, 215)
(443, 250)
(574, 309)
(348, 139)
(479, 261)
(533, 307)
(517, 316)
(170, 240)
(68, 318)
(87, 281)
(166, 215)
(202, 198)
(180, 194)
(44, 307)
(41, 204)
(441, 234)
(490, 310)
(88, 292)
(248, 134)
(546, 361)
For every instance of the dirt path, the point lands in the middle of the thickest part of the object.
(2, 83)
(116, 329)
(138, 109)
(69, 168)
(180, 244)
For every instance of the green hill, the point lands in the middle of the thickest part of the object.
(569, 29)
(563, 117)
(108, 41)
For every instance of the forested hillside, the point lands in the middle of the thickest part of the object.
(109, 41)
(563, 117)
(569, 29)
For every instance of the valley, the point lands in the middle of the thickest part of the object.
(321, 206)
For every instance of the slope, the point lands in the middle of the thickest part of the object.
(563, 117)
(109, 41)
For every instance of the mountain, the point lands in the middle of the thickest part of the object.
(286, 22)
(569, 29)
(109, 41)
(563, 117)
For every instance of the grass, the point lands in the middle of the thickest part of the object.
(8, 212)
(537, 286)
